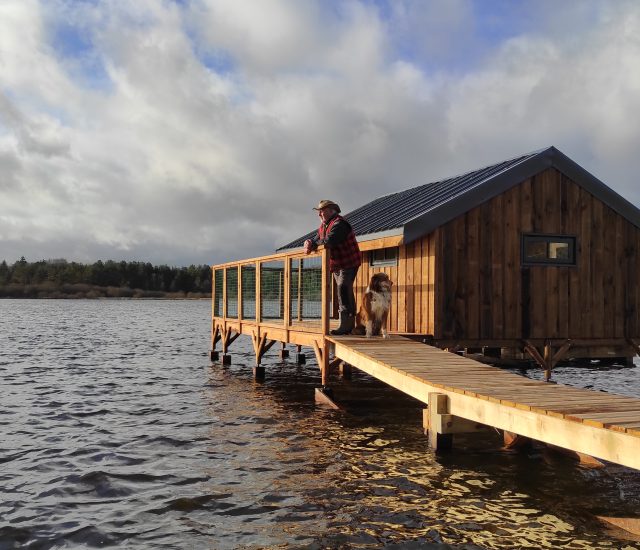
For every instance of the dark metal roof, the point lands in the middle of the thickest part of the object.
(418, 211)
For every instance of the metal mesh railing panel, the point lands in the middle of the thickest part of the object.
(248, 274)
(218, 274)
(232, 292)
(306, 291)
(272, 290)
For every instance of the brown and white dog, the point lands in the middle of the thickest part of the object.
(372, 317)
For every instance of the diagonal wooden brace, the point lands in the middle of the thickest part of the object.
(547, 361)
(260, 345)
(215, 337)
(561, 353)
(265, 348)
(544, 361)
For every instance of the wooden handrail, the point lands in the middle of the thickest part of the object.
(365, 244)
(271, 257)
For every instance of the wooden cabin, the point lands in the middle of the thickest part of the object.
(532, 257)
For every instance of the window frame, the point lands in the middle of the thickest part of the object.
(386, 262)
(571, 240)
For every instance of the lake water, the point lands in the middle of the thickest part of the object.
(117, 431)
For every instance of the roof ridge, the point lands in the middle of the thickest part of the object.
(468, 172)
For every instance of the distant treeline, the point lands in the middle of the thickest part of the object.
(63, 279)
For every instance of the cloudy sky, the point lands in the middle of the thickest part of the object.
(199, 131)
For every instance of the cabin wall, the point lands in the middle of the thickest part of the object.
(412, 309)
(485, 293)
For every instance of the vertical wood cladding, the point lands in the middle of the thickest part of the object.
(484, 292)
(412, 305)
(466, 279)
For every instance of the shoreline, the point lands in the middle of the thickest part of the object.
(78, 291)
(71, 297)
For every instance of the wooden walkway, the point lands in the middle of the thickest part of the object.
(599, 424)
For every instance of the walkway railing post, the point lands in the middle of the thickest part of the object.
(287, 293)
(258, 293)
(224, 293)
(214, 298)
(326, 295)
(240, 299)
(300, 260)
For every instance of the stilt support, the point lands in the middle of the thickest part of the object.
(440, 425)
(636, 346)
(547, 360)
(300, 358)
(438, 408)
(215, 338)
(335, 362)
(258, 373)
(322, 356)
(226, 359)
(284, 353)
(345, 370)
(228, 339)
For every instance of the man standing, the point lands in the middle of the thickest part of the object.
(337, 235)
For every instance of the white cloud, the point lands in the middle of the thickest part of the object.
(205, 132)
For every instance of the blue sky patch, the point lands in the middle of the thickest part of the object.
(74, 45)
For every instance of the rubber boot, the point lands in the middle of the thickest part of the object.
(347, 323)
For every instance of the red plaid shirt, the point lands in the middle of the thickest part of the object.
(344, 255)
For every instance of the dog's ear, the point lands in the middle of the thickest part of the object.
(375, 282)
(372, 283)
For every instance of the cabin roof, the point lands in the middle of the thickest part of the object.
(419, 210)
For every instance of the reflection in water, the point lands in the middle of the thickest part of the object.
(118, 432)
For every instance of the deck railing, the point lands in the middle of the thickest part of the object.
(291, 290)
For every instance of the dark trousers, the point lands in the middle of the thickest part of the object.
(344, 279)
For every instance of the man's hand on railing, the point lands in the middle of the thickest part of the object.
(308, 246)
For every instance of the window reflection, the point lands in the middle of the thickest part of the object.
(548, 249)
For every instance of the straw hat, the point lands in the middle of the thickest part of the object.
(327, 204)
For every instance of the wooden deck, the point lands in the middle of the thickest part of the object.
(599, 424)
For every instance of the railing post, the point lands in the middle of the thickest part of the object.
(258, 294)
(213, 310)
(287, 292)
(300, 289)
(214, 297)
(281, 298)
(224, 293)
(326, 291)
(326, 294)
(239, 293)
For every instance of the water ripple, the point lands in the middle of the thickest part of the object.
(117, 432)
